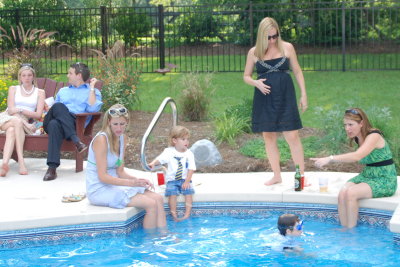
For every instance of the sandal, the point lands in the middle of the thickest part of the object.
(73, 198)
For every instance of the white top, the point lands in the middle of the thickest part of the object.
(167, 157)
(26, 102)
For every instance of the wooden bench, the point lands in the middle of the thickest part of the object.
(40, 142)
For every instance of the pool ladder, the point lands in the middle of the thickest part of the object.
(151, 126)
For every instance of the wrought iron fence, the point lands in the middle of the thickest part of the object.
(347, 35)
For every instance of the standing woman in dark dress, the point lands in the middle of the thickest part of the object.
(274, 103)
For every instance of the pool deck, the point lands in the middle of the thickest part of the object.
(27, 202)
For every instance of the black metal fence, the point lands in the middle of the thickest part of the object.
(347, 35)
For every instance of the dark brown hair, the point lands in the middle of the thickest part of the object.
(287, 221)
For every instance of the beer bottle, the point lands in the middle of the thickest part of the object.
(297, 179)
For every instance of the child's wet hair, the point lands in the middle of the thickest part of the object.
(287, 221)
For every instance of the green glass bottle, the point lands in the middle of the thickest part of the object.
(297, 179)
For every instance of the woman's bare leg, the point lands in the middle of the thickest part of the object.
(161, 218)
(8, 147)
(296, 149)
(271, 147)
(19, 146)
(342, 210)
(354, 194)
(150, 206)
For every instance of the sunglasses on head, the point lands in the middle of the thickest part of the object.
(352, 111)
(275, 36)
(27, 65)
(117, 111)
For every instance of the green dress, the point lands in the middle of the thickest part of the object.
(383, 179)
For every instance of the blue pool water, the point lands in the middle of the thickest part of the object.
(220, 241)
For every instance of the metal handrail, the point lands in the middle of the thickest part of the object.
(151, 126)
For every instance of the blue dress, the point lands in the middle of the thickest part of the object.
(276, 111)
(101, 194)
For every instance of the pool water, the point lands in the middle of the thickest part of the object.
(220, 241)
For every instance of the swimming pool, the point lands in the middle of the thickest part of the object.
(222, 234)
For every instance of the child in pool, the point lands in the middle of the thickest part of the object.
(181, 166)
(290, 226)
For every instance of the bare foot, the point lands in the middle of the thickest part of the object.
(173, 214)
(273, 181)
(183, 218)
(4, 170)
(23, 170)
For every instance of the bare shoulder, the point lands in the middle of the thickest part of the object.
(100, 140)
(288, 48)
(251, 54)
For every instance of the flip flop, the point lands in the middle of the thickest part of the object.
(73, 198)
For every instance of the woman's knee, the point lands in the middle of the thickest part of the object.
(10, 132)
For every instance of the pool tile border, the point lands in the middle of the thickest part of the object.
(73, 233)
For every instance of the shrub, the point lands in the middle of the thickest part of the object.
(198, 24)
(228, 127)
(120, 82)
(195, 98)
(132, 26)
(3, 94)
(32, 46)
(242, 110)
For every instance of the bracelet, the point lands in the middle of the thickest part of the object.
(331, 157)
(20, 111)
(92, 89)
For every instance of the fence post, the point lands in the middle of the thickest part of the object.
(251, 23)
(104, 28)
(343, 37)
(17, 22)
(161, 36)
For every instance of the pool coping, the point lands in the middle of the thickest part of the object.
(30, 203)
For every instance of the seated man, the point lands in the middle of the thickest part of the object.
(59, 122)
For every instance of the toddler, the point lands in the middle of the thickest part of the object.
(181, 166)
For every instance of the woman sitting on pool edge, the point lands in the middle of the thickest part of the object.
(108, 184)
(377, 179)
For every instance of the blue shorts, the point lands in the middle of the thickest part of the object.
(174, 188)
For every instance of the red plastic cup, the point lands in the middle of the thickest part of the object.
(160, 178)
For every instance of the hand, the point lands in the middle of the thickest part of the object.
(12, 111)
(145, 183)
(92, 82)
(186, 185)
(264, 89)
(320, 162)
(303, 103)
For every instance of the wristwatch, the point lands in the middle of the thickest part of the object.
(20, 111)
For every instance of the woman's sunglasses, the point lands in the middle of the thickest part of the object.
(352, 111)
(27, 65)
(275, 36)
(117, 111)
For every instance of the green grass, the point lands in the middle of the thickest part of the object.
(325, 90)
(255, 148)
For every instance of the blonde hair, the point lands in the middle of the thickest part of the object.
(105, 127)
(178, 132)
(358, 115)
(27, 68)
(264, 27)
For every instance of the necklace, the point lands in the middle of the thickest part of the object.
(28, 92)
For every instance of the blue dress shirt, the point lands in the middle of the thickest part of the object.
(76, 99)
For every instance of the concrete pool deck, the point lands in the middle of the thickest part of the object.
(28, 202)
